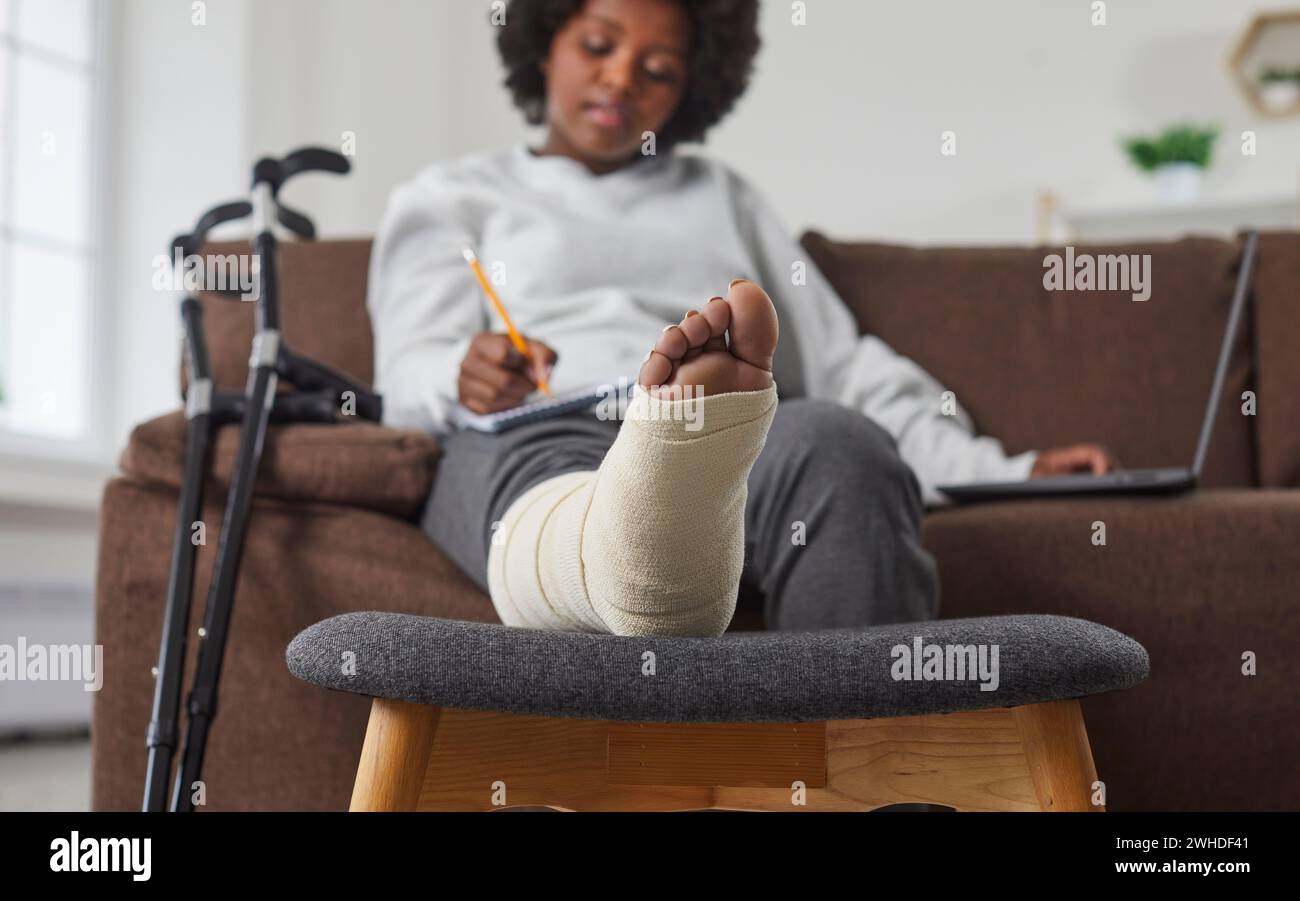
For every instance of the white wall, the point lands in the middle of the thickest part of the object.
(325, 67)
(842, 123)
(178, 144)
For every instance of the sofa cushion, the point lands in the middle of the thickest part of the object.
(1039, 368)
(1277, 333)
(322, 311)
(360, 464)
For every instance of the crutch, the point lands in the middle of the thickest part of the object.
(321, 396)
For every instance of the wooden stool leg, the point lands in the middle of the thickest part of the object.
(1056, 748)
(395, 756)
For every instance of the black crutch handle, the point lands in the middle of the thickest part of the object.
(192, 242)
(312, 376)
(305, 406)
(309, 159)
(296, 222)
(314, 159)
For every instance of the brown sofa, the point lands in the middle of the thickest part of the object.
(1199, 579)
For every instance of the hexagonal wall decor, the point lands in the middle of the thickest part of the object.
(1266, 63)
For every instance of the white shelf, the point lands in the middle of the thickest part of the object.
(1222, 216)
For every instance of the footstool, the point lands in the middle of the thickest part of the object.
(970, 714)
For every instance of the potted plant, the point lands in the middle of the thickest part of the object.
(1177, 157)
(1279, 88)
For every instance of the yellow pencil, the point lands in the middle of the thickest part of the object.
(515, 338)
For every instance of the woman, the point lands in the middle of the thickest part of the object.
(601, 239)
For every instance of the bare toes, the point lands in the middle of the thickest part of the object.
(672, 343)
(656, 370)
(696, 329)
(754, 328)
(717, 312)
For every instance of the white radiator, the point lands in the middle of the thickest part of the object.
(54, 622)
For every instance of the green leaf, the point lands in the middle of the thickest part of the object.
(1176, 144)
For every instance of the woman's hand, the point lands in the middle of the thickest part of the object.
(1092, 458)
(494, 376)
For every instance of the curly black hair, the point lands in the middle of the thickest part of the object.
(724, 41)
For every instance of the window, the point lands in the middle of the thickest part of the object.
(47, 79)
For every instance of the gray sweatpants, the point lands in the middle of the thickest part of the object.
(831, 525)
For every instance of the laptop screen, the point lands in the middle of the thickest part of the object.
(1225, 350)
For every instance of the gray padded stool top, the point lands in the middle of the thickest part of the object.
(739, 677)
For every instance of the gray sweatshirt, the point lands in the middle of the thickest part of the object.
(596, 265)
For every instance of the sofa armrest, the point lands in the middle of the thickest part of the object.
(358, 464)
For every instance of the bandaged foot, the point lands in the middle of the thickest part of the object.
(652, 543)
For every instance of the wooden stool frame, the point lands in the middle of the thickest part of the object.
(419, 757)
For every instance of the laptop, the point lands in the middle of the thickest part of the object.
(1133, 481)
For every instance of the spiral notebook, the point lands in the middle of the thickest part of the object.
(544, 408)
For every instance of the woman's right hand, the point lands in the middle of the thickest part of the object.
(494, 376)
